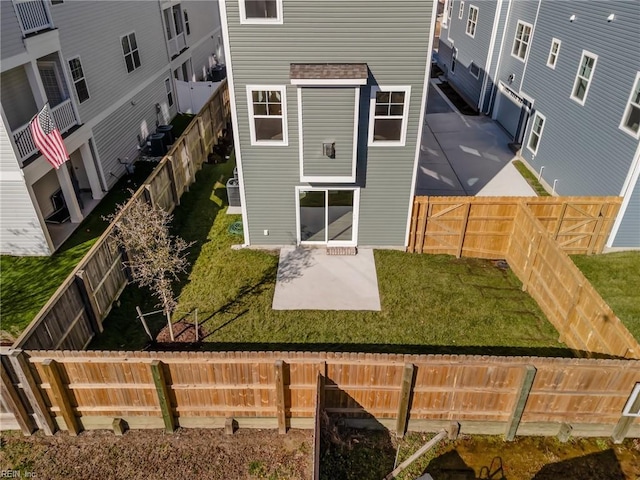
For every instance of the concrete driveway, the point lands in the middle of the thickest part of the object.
(465, 155)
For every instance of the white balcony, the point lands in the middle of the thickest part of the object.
(177, 44)
(33, 15)
(65, 119)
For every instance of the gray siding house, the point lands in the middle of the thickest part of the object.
(107, 70)
(563, 80)
(327, 107)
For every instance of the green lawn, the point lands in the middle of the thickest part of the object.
(531, 179)
(616, 277)
(28, 282)
(429, 303)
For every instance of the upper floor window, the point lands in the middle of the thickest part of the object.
(583, 77)
(267, 115)
(389, 115)
(631, 117)
(187, 27)
(461, 11)
(167, 86)
(130, 51)
(79, 82)
(472, 21)
(260, 11)
(536, 132)
(553, 53)
(521, 41)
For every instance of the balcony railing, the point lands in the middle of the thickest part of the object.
(33, 15)
(65, 119)
(177, 44)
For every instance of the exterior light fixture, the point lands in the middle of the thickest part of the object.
(329, 149)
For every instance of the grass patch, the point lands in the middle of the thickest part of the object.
(430, 303)
(28, 282)
(180, 123)
(530, 178)
(616, 277)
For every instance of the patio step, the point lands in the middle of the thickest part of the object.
(342, 250)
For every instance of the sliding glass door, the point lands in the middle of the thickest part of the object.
(327, 215)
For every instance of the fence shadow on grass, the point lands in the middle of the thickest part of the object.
(601, 465)
(451, 465)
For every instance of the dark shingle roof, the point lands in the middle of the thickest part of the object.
(328, 71)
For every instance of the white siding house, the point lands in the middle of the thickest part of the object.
(107, 70)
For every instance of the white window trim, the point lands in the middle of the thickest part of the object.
(627, 109)
(461, 11)
(252, 125)
(261, 21)
(553, 42)
(634, 394)
(477, 77)
(532, 123)
(470, 21)
(73, 81)
(585, 53)
(354, 159)
(354, 226)
(169, 89)
(124, 55)
(515, 38)
(405, 116)
(446, 13)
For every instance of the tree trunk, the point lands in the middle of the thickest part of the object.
(168, 315)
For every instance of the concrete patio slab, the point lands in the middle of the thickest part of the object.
(309, 279)
(505, 183)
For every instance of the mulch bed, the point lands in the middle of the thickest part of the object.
(457, 100)
(183, 333)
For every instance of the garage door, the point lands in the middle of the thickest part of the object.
(508, 112)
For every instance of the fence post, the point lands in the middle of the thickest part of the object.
(531, 258)
(421, 231)
(463, 232)
(621, 429)
(596, 231)
(405, 396)
(60, 395)
(563, 211)
(157, 371)
(31, 389)
(89, 300)
(203, 142)
(14, 402)
(149, 195)
(172, 179)
(280, 403)
(527, 382)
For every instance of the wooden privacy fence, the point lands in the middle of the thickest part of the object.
(490, 395)
(75, 312)
(534, 235)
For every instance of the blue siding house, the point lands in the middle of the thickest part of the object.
(563, 80)
(327, 107)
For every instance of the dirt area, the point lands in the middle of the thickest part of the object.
(455, 98)
(152, 455)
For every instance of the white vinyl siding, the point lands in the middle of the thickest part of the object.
(537, 126)
(461, 11)
(267, 115)
(79, 81)
(130, 51)
(472, 21)
(631, 118)
(260, 11)
(521, 40)
(583, 77)
(389, 111)
(553, 53)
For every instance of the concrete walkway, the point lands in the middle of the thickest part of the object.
(465, 155)
(309, 279)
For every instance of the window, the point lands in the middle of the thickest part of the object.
(388, 116)
(583, 77)
(267, 115)
(130, 51)
(260, 11)
(454, 57)
(56, 2)
(461, 11)
(186, 23)
(450, 10)
(167, 86)
(536, 133)
(521, 42)
(77, 74)
(631, 117)
(474, 70)
(632, 407)
(472, 21)
(553, 53)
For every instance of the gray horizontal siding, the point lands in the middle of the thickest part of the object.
(17, 100)
(328, 117)
(629, 231)
(10, 33)
(582, 146)
(387, 37)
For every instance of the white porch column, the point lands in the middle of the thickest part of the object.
(35, 82)
(69, 194)
(90, 169)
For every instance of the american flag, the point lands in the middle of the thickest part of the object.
(47, 138)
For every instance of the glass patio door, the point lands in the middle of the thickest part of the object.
(327, 216)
